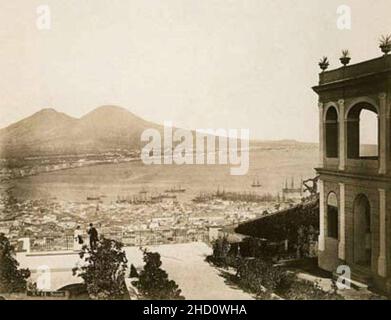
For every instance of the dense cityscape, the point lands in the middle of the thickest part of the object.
(49, 224)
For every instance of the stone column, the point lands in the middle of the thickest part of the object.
(382, 261)
(388, 134)
(321, 135)
(342, 237)
(383, 157)
(321, 241)
(342, 134)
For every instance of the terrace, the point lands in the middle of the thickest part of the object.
(185, 264)
(352, 99)
(377, 66)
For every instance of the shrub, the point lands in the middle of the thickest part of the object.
(104, 271)
(12, 279)
(153, 282)
(257, 275)
(305, 290)
(133, 272)
(221, 248)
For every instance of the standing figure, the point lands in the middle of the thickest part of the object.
(77, 239)
(93, 233)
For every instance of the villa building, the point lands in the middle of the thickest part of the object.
(355, 178)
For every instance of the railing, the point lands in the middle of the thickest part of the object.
(377, 65)
(137, 238)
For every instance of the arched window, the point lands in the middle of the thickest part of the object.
(362, 132)
(332, 139)
(332, 216)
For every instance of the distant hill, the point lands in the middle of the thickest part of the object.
(107, 128)
(51, 132)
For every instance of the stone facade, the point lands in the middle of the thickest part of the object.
(361, 184)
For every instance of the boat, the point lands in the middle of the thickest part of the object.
(176, 190)
(167, 196)
(89, 198)
(256, 183)
(143, 191)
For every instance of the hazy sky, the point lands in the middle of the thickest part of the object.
(199, 63)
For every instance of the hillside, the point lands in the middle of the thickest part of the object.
(106, 128)
(50, 132)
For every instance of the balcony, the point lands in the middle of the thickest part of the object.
(360, 165)
(365, 165)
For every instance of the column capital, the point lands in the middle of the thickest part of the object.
(320, 105)
(341, 102)
(382, 96)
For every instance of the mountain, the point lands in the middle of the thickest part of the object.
(107, 128)
(49, 132)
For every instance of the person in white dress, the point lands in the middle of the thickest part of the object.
(78, 239)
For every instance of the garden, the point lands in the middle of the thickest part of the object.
(257, 272)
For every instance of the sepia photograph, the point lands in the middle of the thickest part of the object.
(195, 150)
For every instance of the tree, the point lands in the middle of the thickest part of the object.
(104, 270)
(133, 272)
(12, 279)
(153, 282)
(221, 249)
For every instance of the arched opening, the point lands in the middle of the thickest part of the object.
(362, 231)
(332, 216)
(332, 134)
(362, 132)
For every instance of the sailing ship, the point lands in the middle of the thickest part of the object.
(176, 190)
(167, 196)
(256, 183)
(143, 191)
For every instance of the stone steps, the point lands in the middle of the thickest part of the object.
(353, 283)
(360, 278)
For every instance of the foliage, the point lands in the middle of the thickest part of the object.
(385, 40)
(262, 278)
(324, 61)
(153, 282)
(345, 53)
(133, 272)
(257, 275)
(306, 235)
(12, 279)
(104, 270)
(305, 290)
(221, 248)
